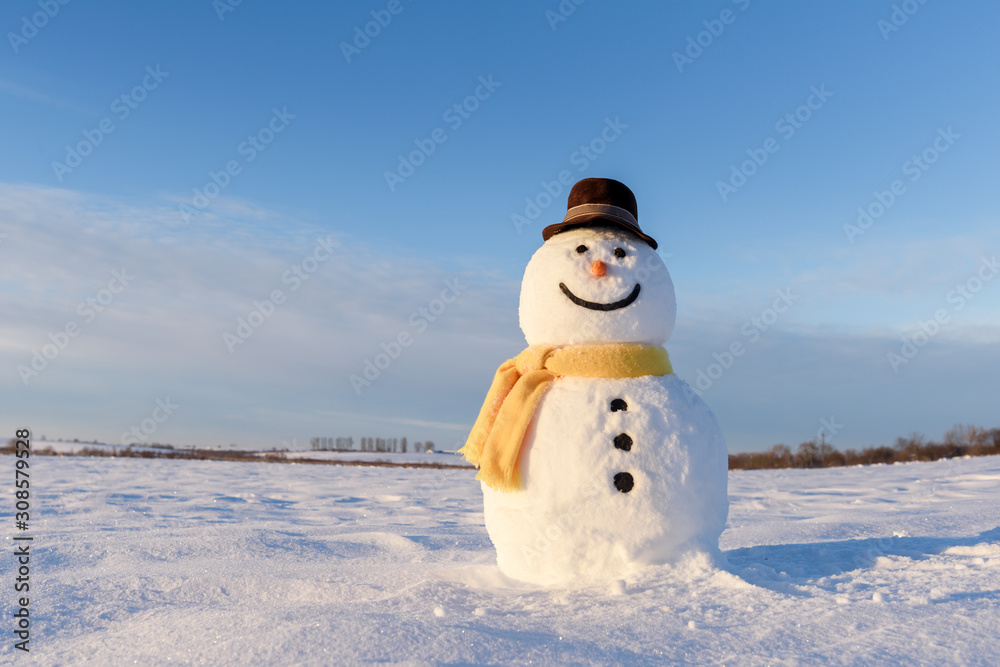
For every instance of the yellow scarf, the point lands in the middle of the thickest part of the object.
(496, 438)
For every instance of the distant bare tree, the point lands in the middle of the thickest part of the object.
(829, 456)
(807, 455)
(782, 456)
(910, 446)
(965, 436)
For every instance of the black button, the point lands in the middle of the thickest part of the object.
(618, 404)
(624, 482)
(623, 441)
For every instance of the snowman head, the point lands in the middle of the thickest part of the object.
(599, 284)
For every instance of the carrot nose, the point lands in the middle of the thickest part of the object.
(598, 268)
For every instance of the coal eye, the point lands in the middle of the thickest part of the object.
(581, 249)
(619, 252)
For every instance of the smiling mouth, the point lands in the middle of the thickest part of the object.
(600, 306)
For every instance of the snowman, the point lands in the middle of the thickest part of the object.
(595, 459)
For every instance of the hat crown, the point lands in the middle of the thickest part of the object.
(603, 191)
(601, 202)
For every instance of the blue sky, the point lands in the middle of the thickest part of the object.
(203, 94)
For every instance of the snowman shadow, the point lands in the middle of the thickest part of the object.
(785, 567)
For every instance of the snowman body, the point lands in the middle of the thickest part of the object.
(616, 473)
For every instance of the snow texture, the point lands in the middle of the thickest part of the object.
(159, 562)
(549, 318)
(572, 520)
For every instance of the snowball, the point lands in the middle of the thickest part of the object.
(570, 522)
(549, 316)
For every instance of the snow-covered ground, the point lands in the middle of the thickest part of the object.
(144, 561)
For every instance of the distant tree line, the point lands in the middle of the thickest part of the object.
(958, 441)
(367, 445)
(270, 456)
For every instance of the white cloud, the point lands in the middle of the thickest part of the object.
(878, 285)
(446, 426)
(163, 334)
(26, 93)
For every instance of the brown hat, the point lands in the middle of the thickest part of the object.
(594, 202)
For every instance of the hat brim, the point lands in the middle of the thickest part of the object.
(595, 220)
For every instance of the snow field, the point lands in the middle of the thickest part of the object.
(210, 562)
